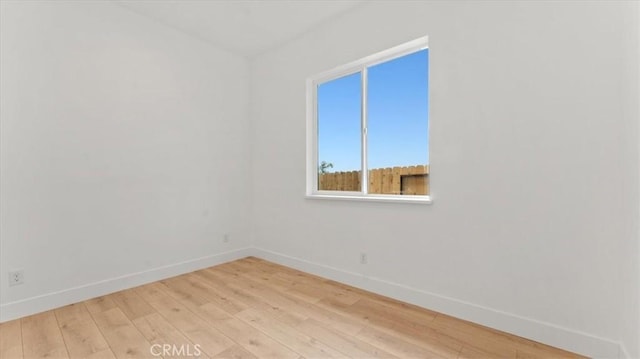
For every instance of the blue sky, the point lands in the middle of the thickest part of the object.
(397, 109)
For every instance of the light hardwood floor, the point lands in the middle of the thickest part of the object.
(252, 308)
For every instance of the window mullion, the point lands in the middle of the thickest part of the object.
(364, 178)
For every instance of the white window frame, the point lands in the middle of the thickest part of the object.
(312, 126)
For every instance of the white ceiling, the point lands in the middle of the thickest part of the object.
(246, 27)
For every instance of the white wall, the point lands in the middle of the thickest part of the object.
(534, 159)
(124, 149)
(632, 337)
(631, 262)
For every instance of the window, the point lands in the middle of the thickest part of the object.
(368, 128)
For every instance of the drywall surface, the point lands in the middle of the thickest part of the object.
(631, 340)
(124, 149)
(534, 164)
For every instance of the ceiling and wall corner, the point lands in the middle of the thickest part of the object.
(245, 27)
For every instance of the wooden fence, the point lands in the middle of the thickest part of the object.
(412, 180)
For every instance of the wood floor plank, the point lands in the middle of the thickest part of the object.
(231, 269)
(236, 352)
(279, 284)
(99, 304)
(288, 335)
(11, 339)
(41, 337)
(81, 334)
(396, 345)
(490, 340)
(254, 340)
(271, 280)
(243, 266)
(318, 288)
(543, 351)
(348, 345)
(233, 294)
(123, 337)
(469, 352)
(210, 339)
(250, 338)
(303, 287)
(187, 291)
(131, 304)
(207, 311)
(423, 336)
(270, 268)
(160, 333)
(382, 316)
(282, 300)
(475, 339)
(213, 291)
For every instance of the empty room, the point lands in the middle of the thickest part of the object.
(320, 179)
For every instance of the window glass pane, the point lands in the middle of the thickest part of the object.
(397, 126)
(339, 134)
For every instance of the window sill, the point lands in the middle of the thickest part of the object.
(373, 198)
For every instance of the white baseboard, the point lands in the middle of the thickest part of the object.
(554, 335)
(41, 303)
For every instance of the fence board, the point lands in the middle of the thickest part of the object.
(409, 180)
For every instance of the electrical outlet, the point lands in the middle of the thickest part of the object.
(16, 277)
(226, 238)
(363, 258)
